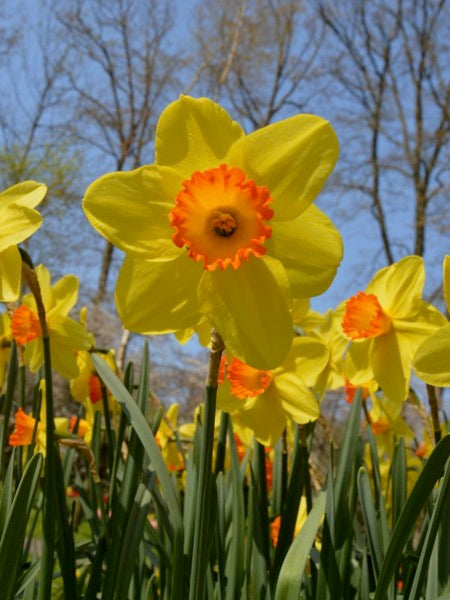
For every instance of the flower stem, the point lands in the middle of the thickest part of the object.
(434, 407)
(49, 507)
(203, 516)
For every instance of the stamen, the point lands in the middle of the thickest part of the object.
(223, 224)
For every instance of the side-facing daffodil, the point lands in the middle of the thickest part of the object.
(167, 441)
(266, 398)
(432, 359)
(222, 227)
(66, 335)
(386, 324)
(18, 220)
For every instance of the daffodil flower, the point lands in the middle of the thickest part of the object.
(221, 227)
(432, 359)
(66, 335)
(5, 345)
(26, 428)
(18, 220)
(386, 324)
(166, 439)
(265, 399)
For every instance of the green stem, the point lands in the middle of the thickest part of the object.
(203, 516)
(49, 509)
(221, 443)
(434, 407)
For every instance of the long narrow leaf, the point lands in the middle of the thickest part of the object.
(291, 573)
(425, 483)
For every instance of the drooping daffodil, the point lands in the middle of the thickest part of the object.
(222, 227)
(66, 335)
(18, 220)
(432, 359)
(386, 324)
(265, 399)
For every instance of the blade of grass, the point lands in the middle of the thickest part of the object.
(422, 489)
(427, 548)
(291, 573)
(13, 536)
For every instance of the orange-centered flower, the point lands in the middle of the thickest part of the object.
(23, 429)
(218, 216)
(247, 382)
(95, 389)
(25, 325)
(364, 317)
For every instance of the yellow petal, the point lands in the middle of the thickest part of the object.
(17, 223)
(293, 158)
(249, 310)
(26, 193)
(296, 398)
(307, 357)
(158, 297)
(65, 295)
(44, 279)
(265, 416)
(391, 362)
(446, 277)
(226, 400)
(310, 249)
(66, 336)
(432, 359)
(10, 274)
(34, 355)
(399, 287)
(131, 209)
(194, 134)
(357, 364)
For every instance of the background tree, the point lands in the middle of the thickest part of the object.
(123, 73)
(387, 60)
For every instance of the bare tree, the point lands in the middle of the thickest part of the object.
(259, 56)
(388, 60)
(122, 75)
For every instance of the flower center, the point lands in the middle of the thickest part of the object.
(219, 217)
(247, 382)
(95, 389)
(223, 223)
(25, 325)
(364, 317)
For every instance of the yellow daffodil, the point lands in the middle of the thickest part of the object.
(222, 227)
(26, 427)
(167, 442)
(386, 324)
(432, 359)
(66, 335)
(266, 398)
(18, 220)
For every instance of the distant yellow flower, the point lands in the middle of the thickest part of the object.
(432, 359)
(221, 227)
(265, 399)
(66, 335)
(166, 439)
(26, 426)
(386, 324)
(18, 220)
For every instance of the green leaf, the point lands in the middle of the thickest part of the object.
(427, 548)
(404, 527)
(370, 520)
(144, 432)
(12, 540)
(291, 573)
